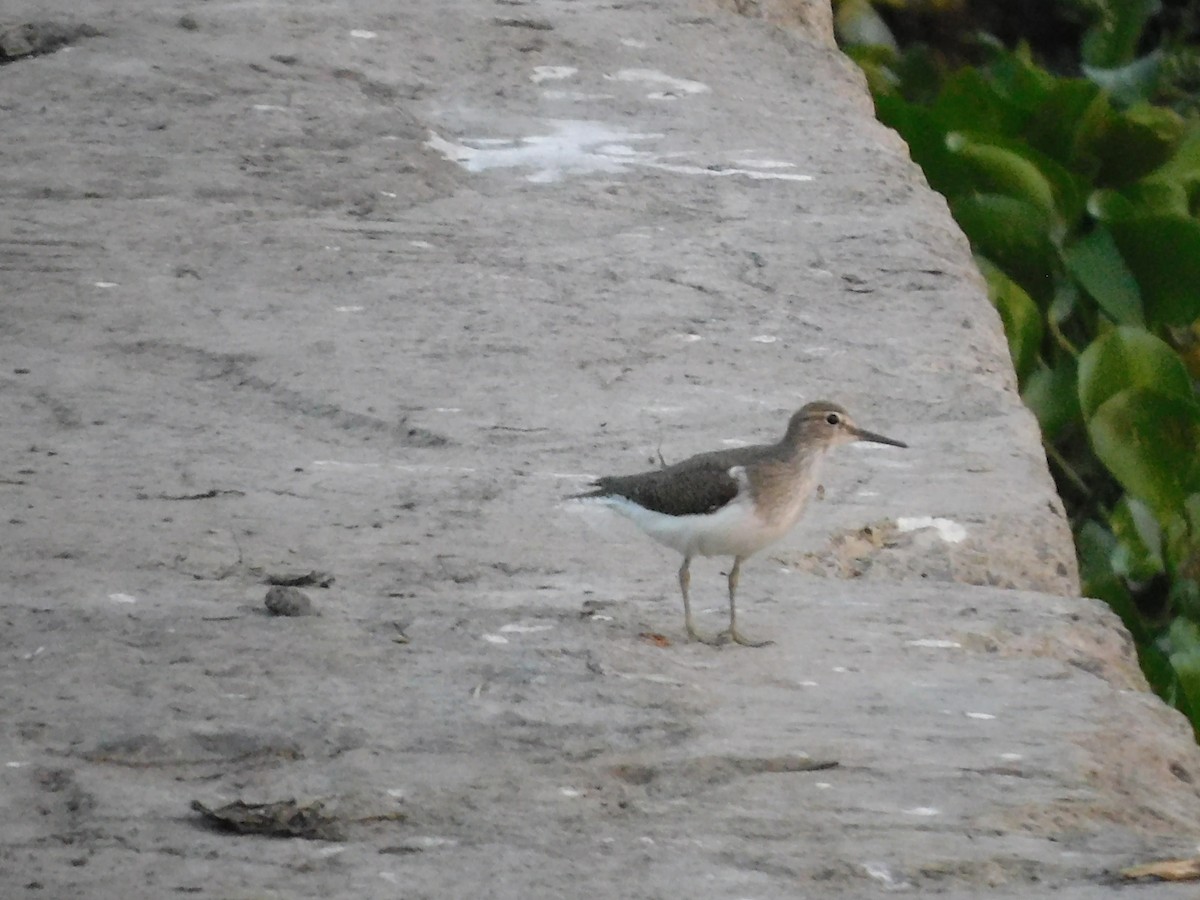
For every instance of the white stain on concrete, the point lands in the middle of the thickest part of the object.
(579, 147)
(551, 73)
(574, 148)
(948, 530)
(674, 87)
(765, 164)
(519, 628)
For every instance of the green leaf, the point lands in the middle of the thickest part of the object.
(1097, 265)
(876, 65)
(1148, 440)
(1015, 235)
(1129, 358)
(1066, 301)
(856, 23)
(972, 103)
(920, 73)
(1020, 315)
(1149, 197)
(1052, 396)
(1095, 546)
(1183, 639)
(1017, 78)
(1184, 166)
(1163, 252)
(1132, 83)
(997, 170)
(1181, 543)
(1015, 169)
(1070, 124)
(1191, 510)
(1184, 598)
(1163, 678)
(1138, 555)
(1113, 40)
(1159, 195)
(1136, 142)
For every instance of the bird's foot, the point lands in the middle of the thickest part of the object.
(733, 636)
(728, 636)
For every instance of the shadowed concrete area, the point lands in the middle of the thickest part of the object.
(365, 289)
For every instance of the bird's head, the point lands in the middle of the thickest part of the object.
(824, 425)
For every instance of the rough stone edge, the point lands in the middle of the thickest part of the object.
(811, 19)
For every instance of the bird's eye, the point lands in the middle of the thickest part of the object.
(833, 419)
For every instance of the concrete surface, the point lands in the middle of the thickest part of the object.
(366, 289)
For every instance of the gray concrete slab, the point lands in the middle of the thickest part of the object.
(367, 288)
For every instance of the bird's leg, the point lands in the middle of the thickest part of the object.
(685, 581)
(733, 634)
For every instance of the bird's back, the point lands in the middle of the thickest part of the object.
(694, 486)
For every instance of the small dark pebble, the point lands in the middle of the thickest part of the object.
(286, 818)
(289, 601)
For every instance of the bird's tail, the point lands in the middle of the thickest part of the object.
(593, 492)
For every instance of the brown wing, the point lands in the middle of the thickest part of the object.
(694, 486)
(693, 492)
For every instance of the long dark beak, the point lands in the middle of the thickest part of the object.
(864, 435)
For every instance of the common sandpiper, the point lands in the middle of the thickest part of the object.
(732, 502)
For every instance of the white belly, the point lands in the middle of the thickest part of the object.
(733, 530)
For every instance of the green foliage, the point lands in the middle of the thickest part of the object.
(1113, 38)
(1099, 269)
(1163, 252)
(1020, 315)
(1080, 200)
(1126, 358)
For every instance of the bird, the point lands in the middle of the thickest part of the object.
(732, 502)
